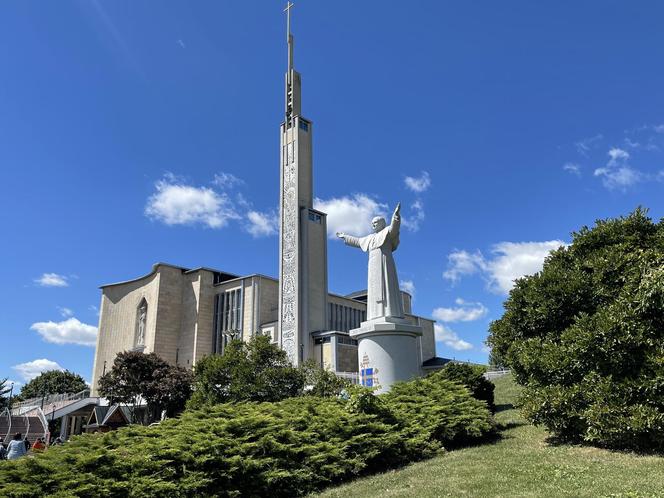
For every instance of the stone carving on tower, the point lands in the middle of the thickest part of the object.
(302, 246)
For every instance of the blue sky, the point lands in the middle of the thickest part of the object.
(137, 132)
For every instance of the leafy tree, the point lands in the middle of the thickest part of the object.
(471, 376)
(53, 382)
(247, 371)
(585, 336)
(4, 391)
(321, 382)
(136, 375)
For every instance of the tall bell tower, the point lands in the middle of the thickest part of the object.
(303, 242)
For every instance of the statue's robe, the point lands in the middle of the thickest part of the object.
(383, 296)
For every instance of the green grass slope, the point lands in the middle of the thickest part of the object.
(521, 463)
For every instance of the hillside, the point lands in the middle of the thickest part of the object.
(521, 463)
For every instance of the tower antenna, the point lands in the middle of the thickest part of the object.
(289, 36)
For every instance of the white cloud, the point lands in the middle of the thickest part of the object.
(412, 222)
(450, 338)
(262, 224)
(617, 174)
(617, 156)
(584, 145)
(351, 215)
(32, 369)
(572, 168)
(65, 312)
(408, 286)
(464, 312)
(94, 309)
(226, 180)
(461, 263)
(70, 331)
(52, 280)
(510, 260)
(418, 184)
(175, 203)
(659, 128)
(516, 259)
(618, 178)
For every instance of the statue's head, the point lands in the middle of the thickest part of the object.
(378, 223)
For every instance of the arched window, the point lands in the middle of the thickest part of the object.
(141, 323)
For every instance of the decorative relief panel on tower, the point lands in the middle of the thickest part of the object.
(289, 255)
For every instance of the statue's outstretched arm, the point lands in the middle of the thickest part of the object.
(350, 240)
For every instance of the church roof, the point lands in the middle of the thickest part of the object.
(224, 275)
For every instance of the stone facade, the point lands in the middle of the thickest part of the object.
(180, 322)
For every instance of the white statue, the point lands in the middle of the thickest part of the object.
(142, 317)
(383, 296)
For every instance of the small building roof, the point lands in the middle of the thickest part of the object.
(436, 362)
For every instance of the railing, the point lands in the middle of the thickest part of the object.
(59, 400)
(27, 425)
(499, 372)
(42, 419)
(353, 377)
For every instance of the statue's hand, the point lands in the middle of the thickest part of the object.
(397, 210)
(341, 235)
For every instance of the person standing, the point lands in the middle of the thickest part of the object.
(16, 448)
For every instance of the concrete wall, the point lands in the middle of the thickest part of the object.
(269, 300)
(187, 335)
(117, 320)
(205, 315)
(169, 313)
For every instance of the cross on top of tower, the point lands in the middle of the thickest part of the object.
(289, 6)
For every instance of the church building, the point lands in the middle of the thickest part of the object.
(184, 314)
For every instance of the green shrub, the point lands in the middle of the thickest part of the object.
(282, 449)
(585, 336)
(471, 376)
(247, 371)
(436, 409)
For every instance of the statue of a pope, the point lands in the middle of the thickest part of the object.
(383, 296)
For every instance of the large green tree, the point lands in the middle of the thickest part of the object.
(135, 375)
(585, 336)
(53, 382)
(247, 371)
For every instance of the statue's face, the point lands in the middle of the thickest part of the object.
(378, 224)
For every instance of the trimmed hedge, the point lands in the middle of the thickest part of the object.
(287, 448)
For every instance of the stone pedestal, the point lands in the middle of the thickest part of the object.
(388, 352)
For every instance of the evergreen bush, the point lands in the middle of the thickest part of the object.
(471, 376)
(279, 449)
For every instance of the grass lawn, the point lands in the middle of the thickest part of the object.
(521, 463)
